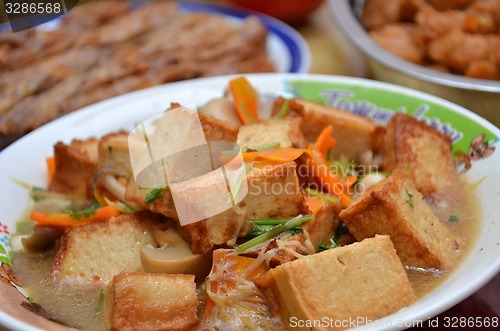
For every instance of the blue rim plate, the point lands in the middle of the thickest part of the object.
(286, 48)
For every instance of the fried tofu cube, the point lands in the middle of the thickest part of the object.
(325, 221)
(151, 302)
(285, 131)
(361, 280)
(75, 165)
(99, 251)
(163, 205)
(114, 153)
(358, 138)
(395, 207)
(425, 151)
(216, 129)
(273, 192)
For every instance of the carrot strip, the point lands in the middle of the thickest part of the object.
(314, 204)
(325, 141)
(281, 154)
(51, 167)
(245, 100)
(66, 220)
(330, 181)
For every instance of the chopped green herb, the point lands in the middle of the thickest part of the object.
(38, 193)
(409, 201)
(341, 230)
(320, 195)
(270, 221)
(154, 188)
(258, 230)
(234, 151)
(82, 213)
(453, 218)
(110, 149)
(267, 146)
(153, 195)
(30, 300)
(329, 155)
(100, 301)
(335, 239)
(263, 225)
(333, 244)
(233, 194)
(408, 166)
(293, 223)
(296, 230)
(283, 110)
(247, 113)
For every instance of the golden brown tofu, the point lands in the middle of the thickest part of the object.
(358, 138)
(285, 131)
(361, 280)
(100, 250)
(75, 165)
(164, 204)
(422, 149)
(114, 154)
(325, 221)
(273, 192)
(151, 302)
(395, 207)
(216, 129)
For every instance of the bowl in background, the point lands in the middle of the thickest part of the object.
(479, 95)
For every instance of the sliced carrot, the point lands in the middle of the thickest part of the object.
(51, 167)
(314, 204)
(280, 154)
(330, 181)
(66, 220)
(325, 141)
(245, 100)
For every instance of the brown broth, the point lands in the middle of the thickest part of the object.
(76, 304)
(461, 202)
(73, 304)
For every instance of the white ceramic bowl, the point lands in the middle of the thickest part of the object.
(25, 160)
(479, 95)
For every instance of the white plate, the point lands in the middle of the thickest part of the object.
(25, 160)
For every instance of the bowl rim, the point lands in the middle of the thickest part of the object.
(343, 14)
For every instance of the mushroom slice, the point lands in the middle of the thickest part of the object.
(222, 109)
(176, 259)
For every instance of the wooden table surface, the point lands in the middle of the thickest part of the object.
(332, 54)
